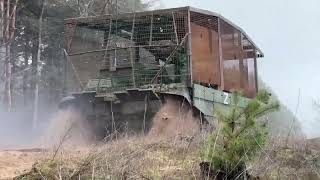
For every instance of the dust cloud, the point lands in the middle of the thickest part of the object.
(68, 130)
(16, 130)
(71, 128)
(68, 127)
(174, 118)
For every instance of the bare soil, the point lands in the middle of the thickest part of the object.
(174, 118)
(15, 162)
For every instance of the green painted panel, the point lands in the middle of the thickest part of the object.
(206, 107)
(207, 100)
(92, 85)
(210, 94)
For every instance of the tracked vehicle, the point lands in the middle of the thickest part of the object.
(120, 67)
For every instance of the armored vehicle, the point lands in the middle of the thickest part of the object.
(120, 67)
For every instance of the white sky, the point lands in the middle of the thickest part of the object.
(288, 32)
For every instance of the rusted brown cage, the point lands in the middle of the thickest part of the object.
(180, 45)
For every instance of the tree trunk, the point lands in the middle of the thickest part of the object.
(7, 63)
(36, 90)
(8, 15)
(34, 60)
(2, 48)
(7, 24)
(25, 74)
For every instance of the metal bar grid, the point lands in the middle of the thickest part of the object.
(180, 45)
(122, 52)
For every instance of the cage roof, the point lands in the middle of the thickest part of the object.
(99, 19)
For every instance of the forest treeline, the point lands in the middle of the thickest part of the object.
(32, 43)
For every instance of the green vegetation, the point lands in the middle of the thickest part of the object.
(239, 136)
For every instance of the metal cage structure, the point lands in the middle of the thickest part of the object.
(174, 47)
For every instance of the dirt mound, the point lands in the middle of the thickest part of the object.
(174, 118)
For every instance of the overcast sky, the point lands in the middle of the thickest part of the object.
(288, 32)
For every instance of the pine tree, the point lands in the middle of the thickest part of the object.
(239, 136)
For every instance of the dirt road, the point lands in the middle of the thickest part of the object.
(16, 162)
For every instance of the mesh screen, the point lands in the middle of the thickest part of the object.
(130, 50)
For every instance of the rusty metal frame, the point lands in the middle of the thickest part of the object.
(189, 46)
(230, 23)
(256, 72)
(91, 19)
(221, 60)
(179, 22)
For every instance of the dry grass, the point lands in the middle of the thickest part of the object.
(299, 159)
(172, 157)
(169, 151)
(130, 158)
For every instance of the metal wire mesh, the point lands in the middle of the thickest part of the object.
(172, 46)
(130, 50)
